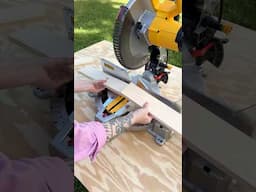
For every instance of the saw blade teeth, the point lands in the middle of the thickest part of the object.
(130, 51)
(117, 34)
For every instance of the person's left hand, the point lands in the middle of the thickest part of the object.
(97, 86)
(89, 86)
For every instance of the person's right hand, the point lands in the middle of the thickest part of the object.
(142, 115)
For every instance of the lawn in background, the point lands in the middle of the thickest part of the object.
(94, 22)
(241, 12)
(78, 186)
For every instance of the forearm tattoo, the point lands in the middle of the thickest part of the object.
(117, 126)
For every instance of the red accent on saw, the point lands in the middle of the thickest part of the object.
(201, 52)
(158, 78)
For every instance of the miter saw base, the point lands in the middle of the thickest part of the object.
(110, 105)
(160, 133)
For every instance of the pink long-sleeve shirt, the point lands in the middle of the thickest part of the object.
(90, 137)
(42, 174)
(48, 173)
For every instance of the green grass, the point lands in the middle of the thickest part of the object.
(94, 22)
(242, 12)
(78, 186)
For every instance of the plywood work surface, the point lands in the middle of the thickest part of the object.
(131, 162)
(39, 40)
(21, 13)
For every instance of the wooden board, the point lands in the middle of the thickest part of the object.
(131, 162)
(21, 13)
(39, 39)
(219, 142)
(163, 113)
(112, 83)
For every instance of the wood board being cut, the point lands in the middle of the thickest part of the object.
(160, 111)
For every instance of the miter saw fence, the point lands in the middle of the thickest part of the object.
(201, 20)
(110, 105)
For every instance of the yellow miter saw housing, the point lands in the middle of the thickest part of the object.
(142, 24)
(164, 28)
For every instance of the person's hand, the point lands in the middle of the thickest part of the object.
(118, 125)
(54, 72)
(142, 115)
(97, 86)
(89, 86)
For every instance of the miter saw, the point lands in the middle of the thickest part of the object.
(143, 32)
(201, 20)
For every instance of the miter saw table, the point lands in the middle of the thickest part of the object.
(132, 151)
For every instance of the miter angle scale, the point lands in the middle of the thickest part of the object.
(109, 104)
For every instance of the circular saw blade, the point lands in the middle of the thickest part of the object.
(131, 51)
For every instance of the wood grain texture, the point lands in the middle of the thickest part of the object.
(131, 162)
(44, 42)
(48, 15)
(22, 13)
(112, 83)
